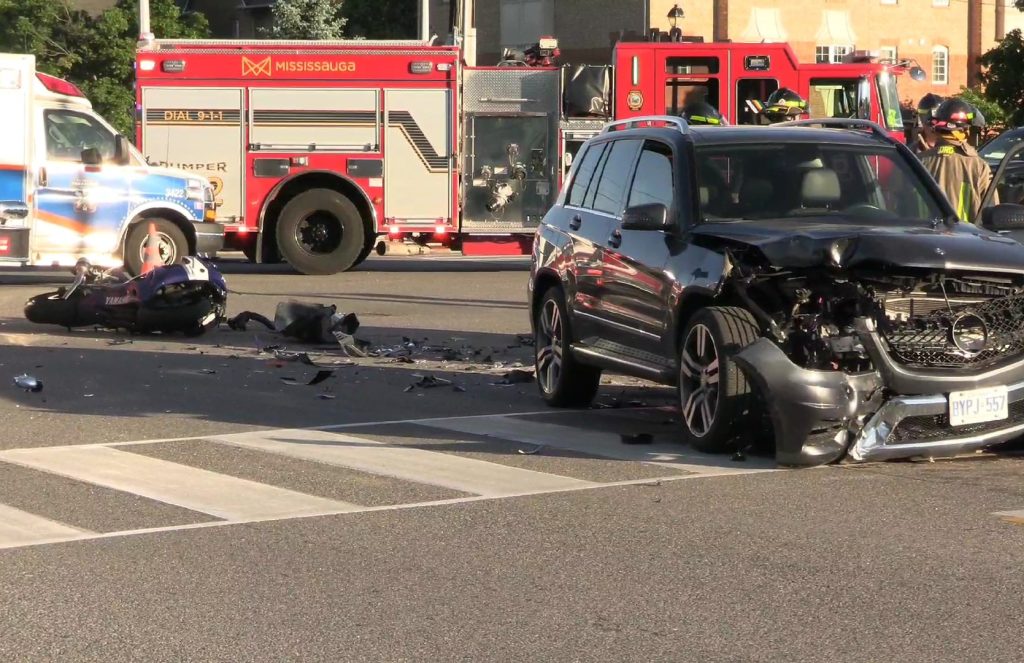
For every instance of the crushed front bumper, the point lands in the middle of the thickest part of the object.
(891, 412)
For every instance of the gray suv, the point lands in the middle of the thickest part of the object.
(808, 281)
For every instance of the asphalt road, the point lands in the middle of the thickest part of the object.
(176, 499)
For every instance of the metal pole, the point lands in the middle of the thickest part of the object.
(145, 34)
(425, 20)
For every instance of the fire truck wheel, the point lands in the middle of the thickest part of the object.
(171, 244)
(320, 232)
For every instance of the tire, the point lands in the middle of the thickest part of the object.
(365, 253)
(321, 232)
(563, 381)
(50, 309)
(717, 402)
(173, 244)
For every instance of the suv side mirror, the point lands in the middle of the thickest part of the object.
(1003, 217)
(91, 156)
(12, 210)
(122, 151)
(652, 216)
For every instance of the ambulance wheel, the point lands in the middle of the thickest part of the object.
(171, 244)
(320, 232)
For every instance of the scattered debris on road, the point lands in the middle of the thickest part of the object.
(515, 376)
(530, 452)
(242, 320)
(28, 383)
(639, 438)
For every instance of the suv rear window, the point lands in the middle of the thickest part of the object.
(612, 187)
(799, 180)
(584, 173)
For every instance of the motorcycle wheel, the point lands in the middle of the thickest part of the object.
(51, 309)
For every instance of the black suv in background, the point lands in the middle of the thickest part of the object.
(809, 281)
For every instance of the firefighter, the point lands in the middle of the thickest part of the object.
(701, 112)
(961, 173)
(924, 137)
(783, 105)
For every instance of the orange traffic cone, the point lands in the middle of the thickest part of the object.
(152, 260)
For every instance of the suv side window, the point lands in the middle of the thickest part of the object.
(653, 181)
(584, 174)
(611, 189)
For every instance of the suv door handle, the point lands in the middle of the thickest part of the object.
(615, 240)
(576, 222)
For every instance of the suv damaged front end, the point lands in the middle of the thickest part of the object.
(881, 343)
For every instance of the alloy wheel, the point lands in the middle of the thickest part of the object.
(698, 380)
(549, 346)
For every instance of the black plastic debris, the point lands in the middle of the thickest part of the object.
(430, 381)
(320, 377)
(405, 359)
(525, 339)
(300, 357)
(409, 388)
(207, 371)
(639, 438)
(530, 452)
(515, 376)
(242, 320)
(28, 383)
(324, 396)
(458, 388)
(313, 323)
(120, 341)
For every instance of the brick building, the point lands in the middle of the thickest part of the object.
(943, 36)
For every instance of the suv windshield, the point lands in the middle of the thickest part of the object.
(997, 148)
(799, 180)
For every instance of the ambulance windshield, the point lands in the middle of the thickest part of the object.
(890, 99)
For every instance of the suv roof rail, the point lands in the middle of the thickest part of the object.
(840, 123)
(647, 120)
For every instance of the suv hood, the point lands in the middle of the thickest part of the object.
(790, 243)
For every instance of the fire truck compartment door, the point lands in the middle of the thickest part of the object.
(198, 129)
(289, 119)
(417, 155)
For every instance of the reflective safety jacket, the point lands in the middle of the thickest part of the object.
(962, 175)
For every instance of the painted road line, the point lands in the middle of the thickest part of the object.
(600, 443)
(208, 492)
(20, 528)
(418, 465)
(1015, 517)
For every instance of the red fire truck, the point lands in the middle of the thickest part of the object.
(318, 149)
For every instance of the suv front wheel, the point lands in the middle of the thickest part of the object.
(715, 398)
(563, 381)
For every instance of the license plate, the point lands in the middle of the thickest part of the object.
(977, 406)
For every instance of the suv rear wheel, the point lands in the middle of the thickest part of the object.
(715, 398)
(563, 381)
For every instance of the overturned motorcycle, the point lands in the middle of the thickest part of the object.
(190, 298)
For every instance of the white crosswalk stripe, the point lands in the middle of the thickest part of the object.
(234, 500)
(599, 443)
(439, 469)
(199, 490)
(20, 528)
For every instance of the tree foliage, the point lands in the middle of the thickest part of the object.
(995, 116)
(96, 53)
(383, 19)
(1003, 76)
(307, 19)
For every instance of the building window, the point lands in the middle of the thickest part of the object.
(523, 22)
(888, 53)
(831, 54)
(940, 65)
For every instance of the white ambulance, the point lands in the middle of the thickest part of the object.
(71, 187)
